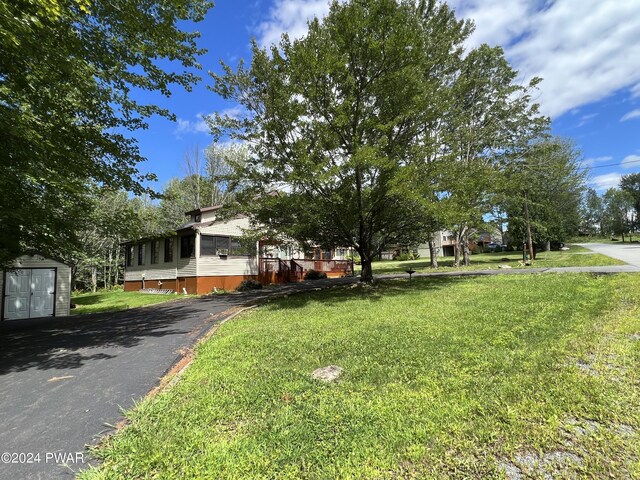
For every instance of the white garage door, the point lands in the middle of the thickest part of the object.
(29, 293)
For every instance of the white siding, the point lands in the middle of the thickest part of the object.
(153, 271)
(214, 266)
(232, 228)
(63, 279)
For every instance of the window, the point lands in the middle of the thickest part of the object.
(207, 245)
(155, 251)
(168, 249)
(222, 245)
(241, 247)
(211, 245)
(187, 246)
(141, 254)
(197, 217)
(129, 255)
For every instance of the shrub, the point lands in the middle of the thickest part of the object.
(249, 284)
(314, 275)
(403, 257)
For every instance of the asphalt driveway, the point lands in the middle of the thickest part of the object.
(65, 381)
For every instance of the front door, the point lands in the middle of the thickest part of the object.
(29, 293)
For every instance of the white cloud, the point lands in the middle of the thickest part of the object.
(589, 162)
(199, 125)
(606, 181)
(585, 50)
(631, 161)
(290, 16)
(633, 114)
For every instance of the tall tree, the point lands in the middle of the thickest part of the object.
(67, 75)
(545, 189)
(618, 212)
(631, 184)
(592, 212)
(332, 119)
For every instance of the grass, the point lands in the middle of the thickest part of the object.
(443, 378)
(114, 300)
(576, 257)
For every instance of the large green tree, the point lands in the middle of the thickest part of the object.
(68, 73)
(544, 191)
(332, 121)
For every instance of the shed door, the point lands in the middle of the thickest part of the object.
(29, 293)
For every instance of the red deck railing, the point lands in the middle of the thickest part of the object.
(294, 270)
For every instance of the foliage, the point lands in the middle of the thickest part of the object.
(592, 213)
(314, 275)
(332, 118)
(67, 73)
(544, 192)
(618, 207)
(442, 378)
(248, 285)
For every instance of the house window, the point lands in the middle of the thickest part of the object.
(197, 217)
(212, 245)
(222, 245)
(168, 249)
(155, 251)
(187, 246)
(239, 247)
(129, 255)
(141, 254)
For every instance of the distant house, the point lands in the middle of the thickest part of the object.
(36, 287)
(209, 253)
(445, 242)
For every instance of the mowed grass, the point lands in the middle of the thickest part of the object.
(577, 256)
(107, 301)
(443, 378)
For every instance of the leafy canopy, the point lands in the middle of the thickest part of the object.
(68, 74)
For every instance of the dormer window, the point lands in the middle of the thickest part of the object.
(197, 217)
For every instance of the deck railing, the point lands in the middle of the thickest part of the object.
(294, 270)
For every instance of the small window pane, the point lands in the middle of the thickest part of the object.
(207, 245)
(155, 250)
(187, 246)
(222, 245)
(141, 254)
(168, 249)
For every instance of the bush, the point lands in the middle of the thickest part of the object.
(314, 275)
(249, 284)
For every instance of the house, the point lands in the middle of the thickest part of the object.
(210, 253)
(445, 242)
(36, 287)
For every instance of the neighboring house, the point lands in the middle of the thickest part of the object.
(36, 287)
(445, 242)
(209, 253)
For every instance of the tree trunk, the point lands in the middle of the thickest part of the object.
(547, 246)
(529, 239)
(433, 254)
(465, 251)
(456, 251)
(94, 278)
(366, 275)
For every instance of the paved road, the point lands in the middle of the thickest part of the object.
(627, 252)
(63, 382)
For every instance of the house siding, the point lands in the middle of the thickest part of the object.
(214, 266)
(63, 280)
(231, 228)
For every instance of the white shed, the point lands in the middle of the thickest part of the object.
(36, 287)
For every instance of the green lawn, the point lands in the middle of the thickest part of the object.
(576, 257)
(443, 378)
(106, 301)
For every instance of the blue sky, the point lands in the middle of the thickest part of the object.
(586, 51)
